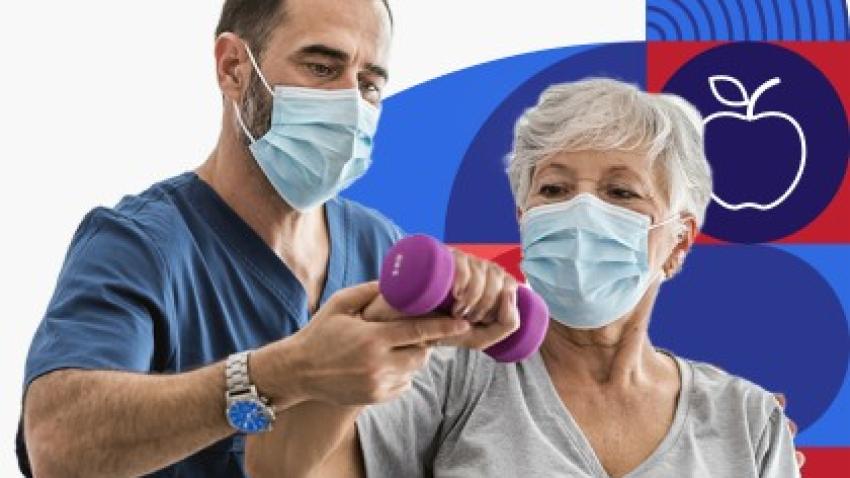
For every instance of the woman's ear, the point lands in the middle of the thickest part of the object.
(684, 242)
(518, 215)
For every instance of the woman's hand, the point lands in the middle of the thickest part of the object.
(485, 296)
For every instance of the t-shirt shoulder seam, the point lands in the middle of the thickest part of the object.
(128, 216)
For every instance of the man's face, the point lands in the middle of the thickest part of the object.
(327, 44)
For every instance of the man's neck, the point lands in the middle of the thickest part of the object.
(237, 178)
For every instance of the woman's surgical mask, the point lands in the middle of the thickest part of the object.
(588, 259)
(319, 143)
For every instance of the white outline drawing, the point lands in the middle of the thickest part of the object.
(750, 103)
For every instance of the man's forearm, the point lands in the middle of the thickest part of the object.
(305, 440)
(98, 423)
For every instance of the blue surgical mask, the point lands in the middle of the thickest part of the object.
(588, 259)
(319, 143)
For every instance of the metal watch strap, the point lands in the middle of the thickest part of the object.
(236, 372)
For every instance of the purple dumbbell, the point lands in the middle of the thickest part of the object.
(417, 278)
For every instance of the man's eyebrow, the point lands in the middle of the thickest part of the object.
(341, 56)
(326, 51)
(378, 70)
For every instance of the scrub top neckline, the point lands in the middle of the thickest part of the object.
(578, 437)
(262, 260)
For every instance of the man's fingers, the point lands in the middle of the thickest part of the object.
(801, 459)
(781, 400)
(380, 311)
(417, 331)
(792, 427)
(354, 299)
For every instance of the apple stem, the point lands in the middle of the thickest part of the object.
(751, 106)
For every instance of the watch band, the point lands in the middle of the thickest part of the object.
(236, 372)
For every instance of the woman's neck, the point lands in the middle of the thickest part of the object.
(619, 355)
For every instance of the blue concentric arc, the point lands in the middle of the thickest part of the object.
(747, 20)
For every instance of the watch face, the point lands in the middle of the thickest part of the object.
(248, 416)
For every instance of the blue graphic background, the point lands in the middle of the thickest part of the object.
(745, 20)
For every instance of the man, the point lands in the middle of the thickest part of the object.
(137, 366)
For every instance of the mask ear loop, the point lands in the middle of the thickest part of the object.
(265, 83)
(257, 68)
(242, 123)
(661, 273)
(663, 223)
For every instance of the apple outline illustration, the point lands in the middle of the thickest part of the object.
(750, 104)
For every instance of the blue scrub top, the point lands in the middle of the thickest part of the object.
(173, 279)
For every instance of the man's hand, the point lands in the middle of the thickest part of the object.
(485, 295)
(342, 359)
(780, 398)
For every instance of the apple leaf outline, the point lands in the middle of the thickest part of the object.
(713, 82)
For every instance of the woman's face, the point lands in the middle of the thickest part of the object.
(622, 178)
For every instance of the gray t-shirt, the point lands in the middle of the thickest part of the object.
(468, 415)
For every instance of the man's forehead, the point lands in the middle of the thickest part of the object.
(355, 27)
(364, 18)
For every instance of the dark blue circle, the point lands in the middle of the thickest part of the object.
(757, 160)
(763, 314)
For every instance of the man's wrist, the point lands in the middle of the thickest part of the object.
(274, 371)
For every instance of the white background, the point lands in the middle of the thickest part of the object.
(101, 98)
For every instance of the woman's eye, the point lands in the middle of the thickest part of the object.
(551, 190)
(320, 70)
(623, 193)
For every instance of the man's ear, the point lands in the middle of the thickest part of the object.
(232, 66)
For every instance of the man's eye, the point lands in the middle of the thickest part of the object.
(320, 70)
(370, 90)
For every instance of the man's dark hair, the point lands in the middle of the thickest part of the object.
(254, 20)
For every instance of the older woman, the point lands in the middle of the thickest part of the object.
(611, 187)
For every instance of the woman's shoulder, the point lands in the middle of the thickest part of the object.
(717, 396)
(470, 374)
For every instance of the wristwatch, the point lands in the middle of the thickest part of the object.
(246, 410)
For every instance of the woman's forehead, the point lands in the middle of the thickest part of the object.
(591, 164)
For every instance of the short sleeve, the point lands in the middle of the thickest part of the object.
(108, 303)
(775, 451)
(401, 437)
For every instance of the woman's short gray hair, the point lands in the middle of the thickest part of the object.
(604, 115)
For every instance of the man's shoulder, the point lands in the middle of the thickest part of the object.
(158, 206)
(151, 219)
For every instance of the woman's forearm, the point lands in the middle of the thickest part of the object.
(306, 440)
